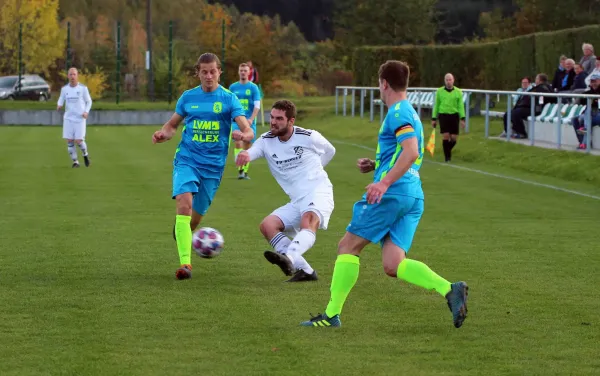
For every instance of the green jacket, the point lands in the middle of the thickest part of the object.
(448, 102)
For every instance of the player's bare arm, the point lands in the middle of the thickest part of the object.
(254, 114)
(168, 129)
(246, 133)
(410, 153)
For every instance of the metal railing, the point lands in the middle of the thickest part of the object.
(422, 91)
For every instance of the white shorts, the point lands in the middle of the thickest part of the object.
(319, 202)
(74, 129)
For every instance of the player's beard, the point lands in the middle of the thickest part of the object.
(279, 132)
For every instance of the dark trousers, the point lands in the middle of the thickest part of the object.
(518, 118)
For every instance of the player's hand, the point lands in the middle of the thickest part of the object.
(85, 115)
(161, 136)
(433, 123)
(237, 135)
(58, 108)
(242, 158)
(365, 165)
(463, 124)
(375, 192)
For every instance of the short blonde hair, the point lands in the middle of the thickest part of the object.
(570, 61)
(587, 46)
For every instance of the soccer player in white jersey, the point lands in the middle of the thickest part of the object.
(78, 101)
(296, 158)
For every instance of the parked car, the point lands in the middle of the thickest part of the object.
(32, 87)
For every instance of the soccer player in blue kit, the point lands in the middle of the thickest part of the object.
(390, 210)
(249, 96)
(202, 153)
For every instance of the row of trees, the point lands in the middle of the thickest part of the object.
(279, 50)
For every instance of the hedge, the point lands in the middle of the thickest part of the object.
(495, 65)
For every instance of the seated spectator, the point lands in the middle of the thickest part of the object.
(579, 80)
(588, 61)
(525, 86)
(560, 72)
(568, 78)
(579, 122)
(595, 71)
(522, 108)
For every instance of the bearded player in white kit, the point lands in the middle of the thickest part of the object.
(78, 101)
(296, 158)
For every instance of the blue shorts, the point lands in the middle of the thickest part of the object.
(234, 127)
(190, 179)
(395, 216)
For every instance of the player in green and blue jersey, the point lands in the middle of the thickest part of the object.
(391, 209)
(202, 153)
(249, 96)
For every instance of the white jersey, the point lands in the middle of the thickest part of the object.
(77, 100)
(298, 163)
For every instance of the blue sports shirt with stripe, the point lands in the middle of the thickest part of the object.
(401, 123)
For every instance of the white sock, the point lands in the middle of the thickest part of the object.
(280, 242)
(301, 263)
(301, 243)
(83, 148)
(72, 151)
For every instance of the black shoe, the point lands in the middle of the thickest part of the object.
(302, 276)
(280, 260)
(86, 159)
(75, 165)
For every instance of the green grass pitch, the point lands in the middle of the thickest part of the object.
(87, 267)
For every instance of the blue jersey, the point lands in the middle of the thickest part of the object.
(247, 93)
(401, 123)
(205, 138)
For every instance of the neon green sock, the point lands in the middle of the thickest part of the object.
(246, 167)
(417, 273)
(183, 234)
(345, 275)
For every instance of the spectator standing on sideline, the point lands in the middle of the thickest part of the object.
(588, 60)
(449, 109)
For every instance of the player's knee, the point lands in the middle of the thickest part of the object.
(78, 142)
(267, 226)
(70, 143)
(310, 220)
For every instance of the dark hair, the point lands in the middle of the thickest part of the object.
(287, 106)
(543, 77)
(207, 58)
(395, 73)
(526, 78)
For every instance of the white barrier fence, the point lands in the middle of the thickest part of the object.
(552, 125)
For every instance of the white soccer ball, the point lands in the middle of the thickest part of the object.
(207, 242)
